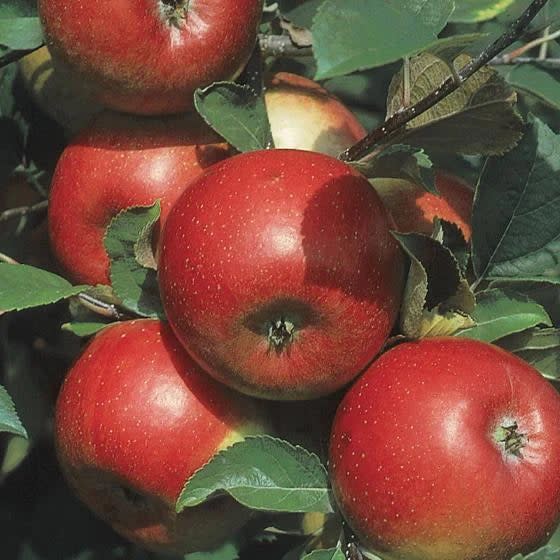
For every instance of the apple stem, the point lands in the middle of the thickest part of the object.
(513, 440)
(174, 12)
(280, 334)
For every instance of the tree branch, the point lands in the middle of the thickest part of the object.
(100, 307)
(282, 46)
(401, 118)
(23, 211)
(545, 63)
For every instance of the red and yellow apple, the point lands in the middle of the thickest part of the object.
(149, 56)
(414, 209)
(57, 92)
(135, 418)
(448, 449)
(278, 273)
(305, 116)
(118, 162)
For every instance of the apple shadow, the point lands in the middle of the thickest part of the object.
(345, 248)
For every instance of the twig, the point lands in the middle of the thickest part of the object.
(543, 41)
(547, 62)
(543, 51)
(401, 118)
(21, 211)
(282, 46)
(6, 259)
(109, 310)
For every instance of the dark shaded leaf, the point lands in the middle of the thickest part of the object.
(237, 113)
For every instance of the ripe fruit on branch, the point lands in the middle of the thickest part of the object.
(134, 419)
(305, 116)
(59, 93)
(448, 449)
(121, 161)
(414, 209)
(278, 273)
(149, 56)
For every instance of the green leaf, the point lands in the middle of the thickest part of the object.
(499, 313)
(23, 286)
(516, 230)
(20, 33)
(545, 553)
(263, 473)
(537, 81)
(359, 34)
(237, 113)
(452, 238)
(471, 11)
(434, 280)
(12, 8)
(85, 328)
(478, 118)
(327, 554)
(127, 242)
(227, 551)
(538, 347)
(9, 420)
(449, 48)
(301, 13)
(400, 162)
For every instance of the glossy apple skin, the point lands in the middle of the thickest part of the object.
(134, 419)
(118, 162)
(414, 209)
(280, 235)
(415, 465)
(137, 59)
(305, 116)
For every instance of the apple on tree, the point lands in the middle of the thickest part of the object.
(149, 56)
(58, 92)
(414, 209)
(118, 162)
(305, 116)
(448, 449)
(134, 419)
(279, 274)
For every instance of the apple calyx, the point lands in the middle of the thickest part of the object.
(174, 12)
(280, 334)
(130, 495)
(513, 440)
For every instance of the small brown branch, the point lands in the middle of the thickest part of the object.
(22, 211)
(100, 307)
(545, 63)
(542, 41)
(7, 259)
(397, 121)
(282, 46)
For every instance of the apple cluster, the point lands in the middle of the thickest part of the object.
(280, 280)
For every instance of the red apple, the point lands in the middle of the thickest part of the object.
(448, 449)
(305, 116)
(279, 274)
(414, 209)
(121, 161)
(134, 420)
(149, 56)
